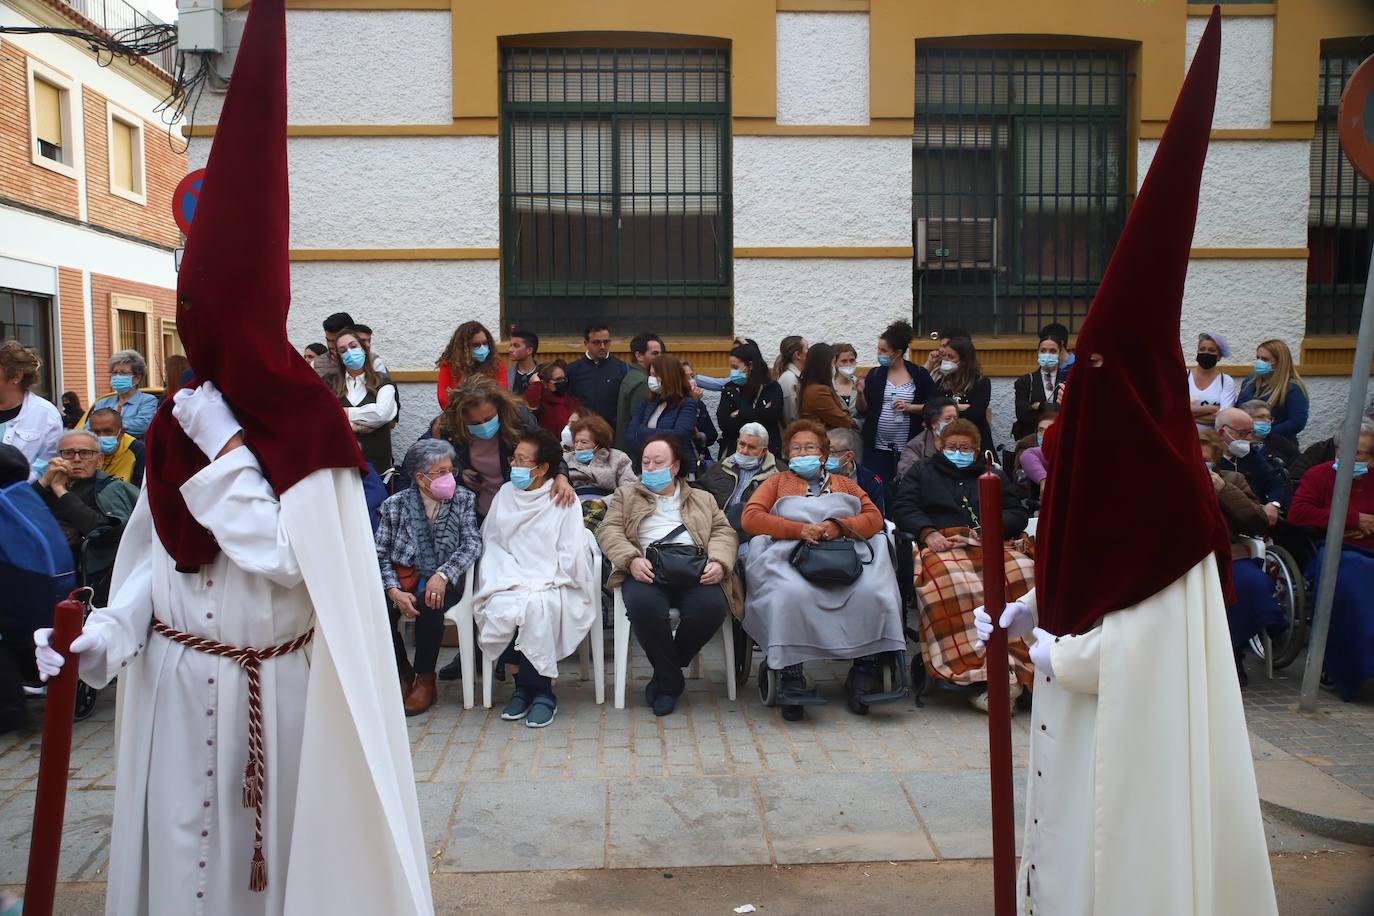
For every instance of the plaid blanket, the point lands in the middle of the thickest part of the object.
(949, 586)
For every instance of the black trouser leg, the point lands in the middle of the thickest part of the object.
(703, 609)
(526, 676)
(398, 644)
(429, 633)
(647, 607)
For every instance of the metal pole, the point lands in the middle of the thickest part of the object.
(1340, 500)
(999, 697)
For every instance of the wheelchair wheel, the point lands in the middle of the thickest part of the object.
(1290, 591)
(768, 684)
(85, 701)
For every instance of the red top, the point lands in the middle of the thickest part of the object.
(553, 410)
(1311, 506)
(1100, 546)
(448, 381)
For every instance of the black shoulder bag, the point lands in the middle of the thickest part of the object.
(831, 562)
(676, 565)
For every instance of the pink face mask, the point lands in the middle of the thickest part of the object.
(443, 487)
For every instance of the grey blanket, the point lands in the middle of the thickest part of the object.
(794, 620)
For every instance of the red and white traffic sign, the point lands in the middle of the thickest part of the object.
(1357, 119)
(184, 200)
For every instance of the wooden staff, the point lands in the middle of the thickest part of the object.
(999, 698)
(50, 803)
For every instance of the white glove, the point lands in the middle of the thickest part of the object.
(1016, 619)
(1039, 652)
(205, 417)
(50, 661)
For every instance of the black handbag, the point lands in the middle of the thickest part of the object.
(831, 562)
(676, 565)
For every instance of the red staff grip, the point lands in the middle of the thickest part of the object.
(999, 700)
(45, 843)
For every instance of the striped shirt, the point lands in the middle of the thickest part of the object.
(893, 425)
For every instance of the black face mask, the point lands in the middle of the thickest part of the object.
(558, 387)
(1207, 360)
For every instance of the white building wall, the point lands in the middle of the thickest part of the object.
(1247, 69)
(1245, 300)
(822, 68)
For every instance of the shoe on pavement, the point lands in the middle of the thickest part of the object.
(453, 670)
(664, 704)
(519, 705)
(542, 709)
(793, 713)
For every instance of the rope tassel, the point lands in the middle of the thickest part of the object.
(257, 878)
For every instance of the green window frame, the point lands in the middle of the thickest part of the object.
(1019, 184)
(1339, 239)
(28, 318)
(615, 189)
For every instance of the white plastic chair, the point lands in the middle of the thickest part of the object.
(594, 645)
(622, 650)
(460, 615)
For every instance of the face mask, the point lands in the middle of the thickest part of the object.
(480, 354)
(1263, 429)
(1047, 360)
(847, 371)
(654, 384)
(584, 455)
(443, 487)
(559, 387)
(959, 459)
(657, 480)
(748, 462)
(567, 437)
(40, 466)
(1239, 448)
(1359, 470)
(1207, 360)
(353, 359)
(884, 361)
(485, 430)
(1209, 465)
(1039, 439)
(521, 478)
(832, 464)
(122, 383)
(1263, 367)
(738, 376)
(947, 366)
(806, 466)
(108, 444)
(940, 427)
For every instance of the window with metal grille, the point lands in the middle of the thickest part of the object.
(615, 187)
(1018, 184)
(1338, 229)
(27, 318)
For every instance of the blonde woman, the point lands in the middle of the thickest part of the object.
(1276, 382)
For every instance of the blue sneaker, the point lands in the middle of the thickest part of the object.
(519, 705)
(541, 711)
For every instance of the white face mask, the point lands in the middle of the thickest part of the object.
(567, 437)
(947, 366)
(1238, 447)
(847, 371)
(654, 384)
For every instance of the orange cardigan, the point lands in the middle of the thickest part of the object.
(820, 403)
(758, 517)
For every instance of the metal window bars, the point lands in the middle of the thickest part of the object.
(615, 189)
(1019, 188)
(1338, 228)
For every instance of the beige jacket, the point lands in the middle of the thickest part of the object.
(706, 523)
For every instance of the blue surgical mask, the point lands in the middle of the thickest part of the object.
(485, 430)
(884, 361)
(584, 455)
(353, 359)
(40, 466)
(1263, 429)
(1263, 367)
(1039, 439)
(959, 459)
(657, 479)
(748, 462)
(520, 477)
(832, 464)
(806, 466)
(122, 383)
(480, 354)
(108, 444)
(1359, 471)
(1047, 360)
(738, 376)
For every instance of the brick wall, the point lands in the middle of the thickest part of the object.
(20, 179)
(72, 330)
(163, 169)
(164, 306)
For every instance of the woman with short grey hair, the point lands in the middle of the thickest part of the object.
(128, 374)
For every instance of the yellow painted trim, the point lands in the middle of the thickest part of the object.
(1278, 254)
(823, 6)
(1299, 30)
(767, 127)
(1295, 130)
(460, 127)
(395, 254)
(1234, 9)
(893, 251)
(351, 4)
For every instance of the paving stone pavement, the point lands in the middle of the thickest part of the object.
(718, 783)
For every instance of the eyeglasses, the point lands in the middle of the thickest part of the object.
(807, 449)
(962, 449)
(600, 341)
(77, 454)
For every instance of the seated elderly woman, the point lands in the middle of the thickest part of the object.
(537, 598)
(796, 620)
(1255, 607)
(939, 412)
(938, 504)
(1262, 415)
(658, 517)
(733, 481)
(128, 374)
(593, 464)
(427, 538)
(1350, 645)
(1028, 467)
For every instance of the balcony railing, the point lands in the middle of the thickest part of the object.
(115, 16)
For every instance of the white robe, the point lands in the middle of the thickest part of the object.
(1142, 796)
(341, 829)
(536, 576)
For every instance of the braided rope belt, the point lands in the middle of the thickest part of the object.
(254, 773)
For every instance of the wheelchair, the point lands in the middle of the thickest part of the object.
(97, 588)
(1279, 647)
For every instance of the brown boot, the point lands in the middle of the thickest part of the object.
(421, 696)
(407, 674)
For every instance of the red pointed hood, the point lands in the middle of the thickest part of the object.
(1128, 506)
(233, 292)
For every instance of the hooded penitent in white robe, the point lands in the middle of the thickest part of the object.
(536, 576)
(1142, 795)
(340, 818)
